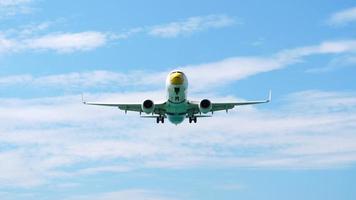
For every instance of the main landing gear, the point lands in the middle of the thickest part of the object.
(193, 119)
(160, 119)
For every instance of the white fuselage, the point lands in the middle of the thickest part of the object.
(176, 106)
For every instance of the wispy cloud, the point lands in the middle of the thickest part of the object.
(78, 81)
(336, 63)
(68, 42)
(215, 73)
(133, 194)
(190, 25)
(15, 173)
(182, 28)
(59, 42)
(39, 37)
(18, 40)
(13, 7)
(6, 44)
(31, 29)
(237, 68)
(311, 129)
(6, 3)
(343, 17)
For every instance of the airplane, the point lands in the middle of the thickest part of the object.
(177, 107)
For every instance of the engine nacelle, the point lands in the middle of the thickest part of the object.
(148, 106)
(205, 106)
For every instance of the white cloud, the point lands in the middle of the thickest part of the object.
(17, 40)
(5, 3)
(14, 7)
(314, 129)
(259, 42)
(31, 29)
(59, 42)
(215, 73)
(190, 25)
(343, 17)
(79, 81)
(68, 42)
(129, 33)
(237, 68)
(336, 63)
(132, 194)
(61, 138)
(12, 163)
(179, 28)
(14, 196)
(6, 45)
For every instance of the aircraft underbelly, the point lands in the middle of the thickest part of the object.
(176, 112)
(176, 119)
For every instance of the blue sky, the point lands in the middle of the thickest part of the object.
(300, 146)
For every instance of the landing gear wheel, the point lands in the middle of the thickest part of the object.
(193, 119)
(160, 119)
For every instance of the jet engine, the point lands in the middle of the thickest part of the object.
(148, 106)
(205, 106)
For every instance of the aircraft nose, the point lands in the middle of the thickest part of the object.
(176, 78)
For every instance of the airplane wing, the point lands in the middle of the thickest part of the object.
(123, 106)
(228, 105)
(135, 107)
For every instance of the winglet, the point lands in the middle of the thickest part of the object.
(269, 96)
(83, 99)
